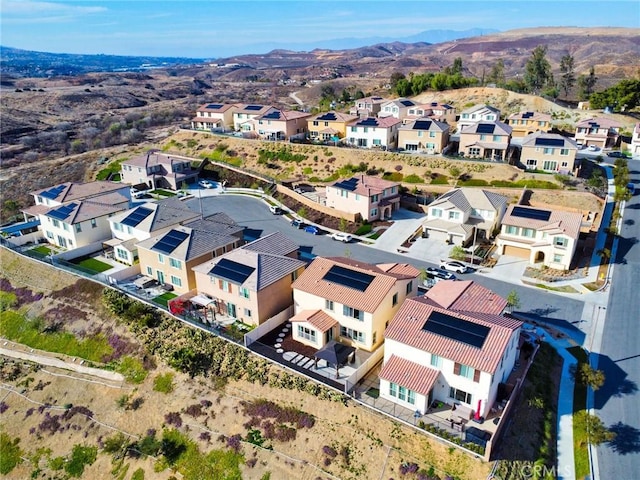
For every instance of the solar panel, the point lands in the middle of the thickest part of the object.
(407, 103)
(232, 271)
(53, 193)
(169, 242)
(348, 278)
(350, 184)
(531, 213)
(135, 217)
(253, 107)
(328, 116)
(485, 128)
(527, 115)
(422, 125)
(62, 212)
(215, 106)
(550, 142)
(368, 122)
(456, 329)
(275, 115)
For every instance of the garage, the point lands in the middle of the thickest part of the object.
(437, 235)
(516, 252)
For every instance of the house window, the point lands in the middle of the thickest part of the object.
(117, 226)
(560, 241)
(528, 232)
(344, 193)
(65, 227)
(474, 151)
(225, 286)
(402, 393)
(49, 235)
(454, 215)
(78, 227)
(394, 301)
(511, 230)
(93, 223)
(328, 304)
(496, 138)
(532, 163)
(564, 151)
(176, 281)
(377, 141)
(375, 198)
(354, 129)
(557, 258)
(409, 287)
(374, 212)
(294, 276)
(247, 313)
(307, 333)
(160, 258)
(56, 223)
(483, 137)
(564, 164)
(419, 133)
(374, 338)
(353, 313)
(432, 134)
(352, 334)
(436, 212)
(436, 360)
(244, 292)
(122, 254)
(175, 263)
(393, 389)
(463, 370)
(150, 271)
(550, 165)
(315, 123)
(460, 395)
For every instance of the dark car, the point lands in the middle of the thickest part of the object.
(312, 229)
(298, 223)
(616, 154)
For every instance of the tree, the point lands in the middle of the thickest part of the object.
(396, 77)
(537, 70)
(589, 376)
(593, 429)
(513, 300)
(586, 84)
(625, 95)
(497, 73)
(568, 78)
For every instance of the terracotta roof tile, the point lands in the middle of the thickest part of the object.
(466, 296)
(409, 374)
(317, 318)
(568, 223)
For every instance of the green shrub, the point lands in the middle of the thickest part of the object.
(393, 176)
(80, 457)
(473, 182)
(163, 383)
(132, 369)
(8, 300)
(440, 180)
(138, 474)
(413, 178)
(10, 453)
(364, 229)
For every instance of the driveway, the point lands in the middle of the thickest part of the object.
(405, 224)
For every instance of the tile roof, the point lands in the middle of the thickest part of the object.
(533, 140)
(528, 115)
(367, 185)
(219, 223)
(479, 107)
(165, 213)
(219, 107)
(155, 157)
(196, 244)
(71, 191)
(283, 115)
(275, 243)
(340, 117)
(601, 122)
(465, 296)
(425, 124)
(409, 374)
(312, 281)
(407, 326)
(500, 128)
(94, 207)
(376, 122)
(467, 198)
(567, 223)
(403, 269)
(320, 320)
(242, 108)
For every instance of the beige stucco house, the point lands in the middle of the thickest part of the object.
(601, 132)
(368, 106)
(543, 236)
(423, 136)
(244, 113)
(397, 108)
(157, 169)
(328, 125)
(349, 301)
(526, 123)
(213, 117)
(440, 112)
(487, 140)
(371, 197)
(477, 113)
(550, 152)
(374, 132)
(281, 124)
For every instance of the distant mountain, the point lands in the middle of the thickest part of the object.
(27, 63)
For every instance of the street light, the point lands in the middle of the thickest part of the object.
(473, 247)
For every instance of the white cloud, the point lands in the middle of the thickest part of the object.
(28, 11)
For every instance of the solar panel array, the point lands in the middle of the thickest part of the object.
(456, 329)
(368, 122)
(62, 212)
(485, 128)
(253, 107)
(407, 103)
(328, 116)
(348, 278)
(215, 106)
(135, 217)
(550, 142)
(169, 242)
(233, 271)
(275, 115)
(531, 213)
(53, 193)
(422, 125)
(350, 184)
(527, 115)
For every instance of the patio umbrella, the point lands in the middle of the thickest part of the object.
(334, 353)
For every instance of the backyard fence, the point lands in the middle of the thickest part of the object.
(268, 326)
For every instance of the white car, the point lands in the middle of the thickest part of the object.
(342, 237)
(206, 184)
(592, 148)
(454, 266)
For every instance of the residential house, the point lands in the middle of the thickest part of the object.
(541, 235)
(170, 257)
(440, 112)
(550, 152)
(635, 140)
(464, 215)
(158, 170)
(373, 132)
(349, 301)
(329, 125)
(452, 346)
(281, 124)
(252, 283)
(526, 123)
(477, 113)
(487, 140)
(243, 114)
(367, 107)
(601, 132)
(213, 117)
(142, 222)
(398, 108)
(423, 136)
(372, 197)
(73, 214)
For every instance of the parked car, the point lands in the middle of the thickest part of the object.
(342, 237)
(592, 148)
(616, 154)
(298, 223)
(312, 229)
(454, 266)
(206, 184)
(440, 273)
(276, 210)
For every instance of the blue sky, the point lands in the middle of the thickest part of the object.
(214, 29)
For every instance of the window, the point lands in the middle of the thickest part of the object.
(225, 286)
(56, 223)
(78, 227)
(394, 300)
(564, 164)
(307, 333)
(532, 163)
(436, 212)
(402, 393)
(411, 397)
(548, 151)
(344, 193)
(65, 227)
(528, 232)
(328, 304)
(393, 389)
(454, 215)
(176, 281)
(419, 133)
(247, 313)
(377, 141)
(175, 263)
(353, 313)
(375, 198)
(463, 370)
(160, 258)
(122, 254)
(560, 241)
(511, 230)
(294, 276)
(244, 292)
(474, 151)
(374, 338)
(550, 165)
(460, 395)
(557, 258)
(352, 334)
(93, 223)
(150, 271)
(409, 287)
(432, 134)
(117, 226)
(49, 234)
(374, 212)
(483, 137)
(564, 151)
(436, 360)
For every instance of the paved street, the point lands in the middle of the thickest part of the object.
(617, 402)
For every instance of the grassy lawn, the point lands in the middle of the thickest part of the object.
(93, 265)
(17, 328)
(164, 298)
(42, 250)
(580, 446)
(164, 193)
